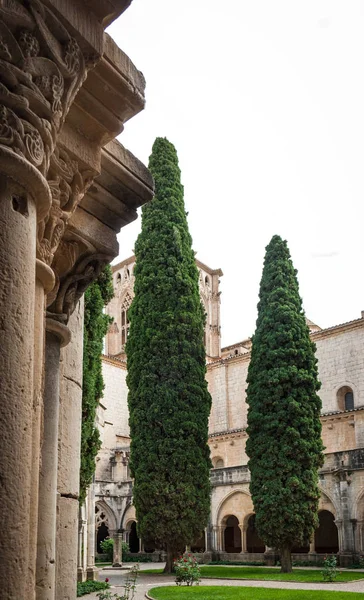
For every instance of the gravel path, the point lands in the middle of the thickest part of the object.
(146, 582)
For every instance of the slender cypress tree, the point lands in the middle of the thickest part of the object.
(284, 445)
(169, 403)
(96, 323)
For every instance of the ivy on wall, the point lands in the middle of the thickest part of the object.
(96, 324)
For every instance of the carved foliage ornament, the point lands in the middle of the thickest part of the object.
(41, 70)
(67, 187)
(72, 287)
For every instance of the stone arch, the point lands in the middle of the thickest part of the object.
(217, 462)
(128, 517)
(109, 513)
(359, 517)
(237, 502)
(105, 523)
(326, 502)
(326, 535)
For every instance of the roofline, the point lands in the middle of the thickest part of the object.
(124, 262)
(114, 360)
(208, 269)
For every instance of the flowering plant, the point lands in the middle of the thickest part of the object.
(187, 570)
(329, 572)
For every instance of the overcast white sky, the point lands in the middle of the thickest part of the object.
(264, 101)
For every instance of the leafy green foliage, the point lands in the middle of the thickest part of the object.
(284, 444)
(107, 547)
(95, 327)
(169, 403)
(87, 587)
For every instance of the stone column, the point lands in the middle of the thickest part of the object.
(243, 530)
(118, 555)
(92, 572)
(44, 284)
(57, 335)
(312, 545)
(69, 457)
(18, 218)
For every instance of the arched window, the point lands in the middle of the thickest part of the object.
(345, 398)
(217, 462)
(118, 278)
(349, 401)
(124, 319)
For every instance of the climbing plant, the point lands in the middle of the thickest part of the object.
(96, 323)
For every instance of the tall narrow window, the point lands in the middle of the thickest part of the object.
(349, 401)
(124, 319)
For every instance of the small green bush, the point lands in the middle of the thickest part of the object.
(87, 587)
(107, 547)
(329, 572)
(187, 570)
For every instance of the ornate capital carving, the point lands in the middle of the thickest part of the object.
(73, 284)
(68, 187)
(41, 69)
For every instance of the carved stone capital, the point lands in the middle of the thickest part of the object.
(41, 70)
(68, 186)
(74, 283)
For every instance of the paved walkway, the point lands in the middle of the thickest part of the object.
(147, 581)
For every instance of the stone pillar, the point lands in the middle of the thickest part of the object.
(18, 218)
(243, 530)
(44, 284)
(118, 555)
(69, 457)
(92, 572)
(312, 545)
(81, 571)
(57, 335)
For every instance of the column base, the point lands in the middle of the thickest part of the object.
(117, 565)
(81, 575)
(92, 574)
(346, 559)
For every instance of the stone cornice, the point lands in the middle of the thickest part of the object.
(208, 269)
(114, 360)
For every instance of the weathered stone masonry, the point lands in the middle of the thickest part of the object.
(66, 189)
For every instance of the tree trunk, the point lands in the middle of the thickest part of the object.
(169, 562)
(286, 560)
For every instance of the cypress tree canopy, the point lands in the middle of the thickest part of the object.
(169, 403)
(284, 444)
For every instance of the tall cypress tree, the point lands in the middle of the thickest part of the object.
(169, 403)
(284, 444)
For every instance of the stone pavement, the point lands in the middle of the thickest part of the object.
(146, 582)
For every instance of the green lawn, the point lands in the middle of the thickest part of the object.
(269, 574)
(246, 593)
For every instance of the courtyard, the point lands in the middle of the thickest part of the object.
(157, 586)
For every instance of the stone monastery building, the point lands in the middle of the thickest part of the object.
(231, 531)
